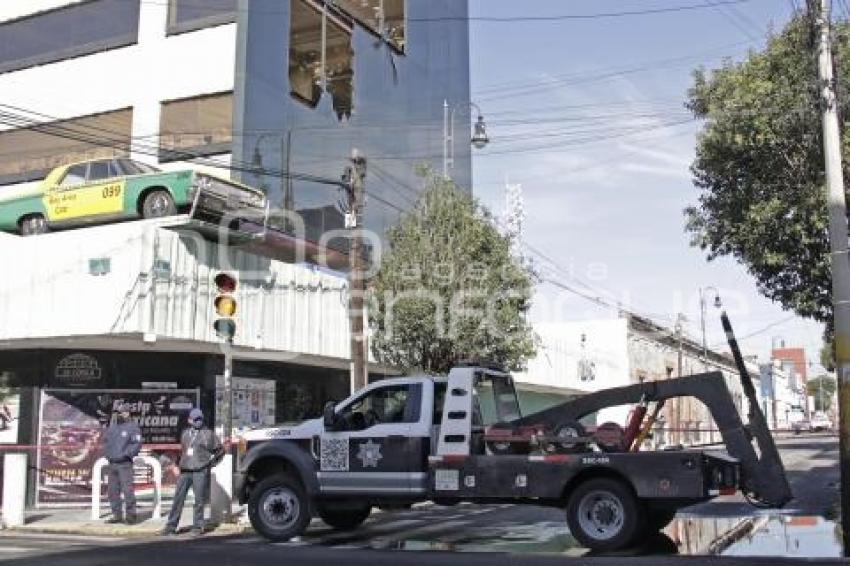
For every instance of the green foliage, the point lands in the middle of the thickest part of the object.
(827, 354)
(822, 389)
(449, 289)
(759, 168)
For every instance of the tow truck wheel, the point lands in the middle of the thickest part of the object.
(604, 514)
(344, 519)
(278, 508)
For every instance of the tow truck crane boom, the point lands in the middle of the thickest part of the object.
(763, 475)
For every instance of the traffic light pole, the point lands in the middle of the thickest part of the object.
(225, 328)
(837, 208)
(357, 279)
(228, 392)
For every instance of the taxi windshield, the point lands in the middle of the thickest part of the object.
(132, 167)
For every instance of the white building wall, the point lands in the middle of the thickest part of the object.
(560, 355)
(161, 283)
(11, 9)
(140, 76)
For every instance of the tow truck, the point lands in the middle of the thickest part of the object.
(461, 438)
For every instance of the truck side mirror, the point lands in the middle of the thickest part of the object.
(330, 416)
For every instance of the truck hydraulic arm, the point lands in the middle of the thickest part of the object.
(763, 477)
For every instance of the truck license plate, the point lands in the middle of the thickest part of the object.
(447, 480)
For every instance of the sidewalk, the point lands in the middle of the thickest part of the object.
(79, 522)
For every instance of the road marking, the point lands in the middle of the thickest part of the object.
(58, 537)
(17, 549)
(383, 543)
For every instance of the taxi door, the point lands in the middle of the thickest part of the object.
(103, 193)
(60, 196)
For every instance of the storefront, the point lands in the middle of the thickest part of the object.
(55, 404)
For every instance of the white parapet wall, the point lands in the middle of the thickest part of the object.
(152, 278)
(581, 356)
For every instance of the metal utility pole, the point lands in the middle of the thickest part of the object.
(356, 276)
(446, 139)
(837, 208)
(679, 337)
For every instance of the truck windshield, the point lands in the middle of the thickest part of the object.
(497, 400)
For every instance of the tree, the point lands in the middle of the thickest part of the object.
(449, 289)
(759, 168)
(821, 389)
(827, 354)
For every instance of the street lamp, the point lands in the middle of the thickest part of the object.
(717, 304)
(479, 138)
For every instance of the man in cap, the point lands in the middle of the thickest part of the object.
(121, 444)
(200, 451)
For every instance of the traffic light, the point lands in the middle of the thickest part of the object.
(225, 306)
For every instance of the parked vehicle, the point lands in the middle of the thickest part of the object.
(104, 190)
(821, 422)
(798, 420)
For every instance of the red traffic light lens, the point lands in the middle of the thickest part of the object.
(225, 283)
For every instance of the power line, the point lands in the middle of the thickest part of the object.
(734, 21)
(504, 19)
(595, 16)
(95, 136)
(517, 88)
(761, 330)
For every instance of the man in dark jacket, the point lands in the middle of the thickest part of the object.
(121, 444)
(200, 451)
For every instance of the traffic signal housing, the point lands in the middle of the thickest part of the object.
(225, 306)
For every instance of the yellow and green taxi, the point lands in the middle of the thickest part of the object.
(105, 190)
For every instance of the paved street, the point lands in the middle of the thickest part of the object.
(425, 534)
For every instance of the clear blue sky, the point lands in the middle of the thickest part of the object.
(587, 114)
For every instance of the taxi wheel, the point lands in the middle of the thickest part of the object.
(158, 204)
(34, 225)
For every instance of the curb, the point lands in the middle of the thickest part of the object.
(91, 529)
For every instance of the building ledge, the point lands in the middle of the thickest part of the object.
(138, 342)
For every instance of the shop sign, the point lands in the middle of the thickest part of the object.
(77, 370)
(72, 423)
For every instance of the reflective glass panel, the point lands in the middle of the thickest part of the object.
(71, 31)
(201, 125)
(30, 153)
(188, 15)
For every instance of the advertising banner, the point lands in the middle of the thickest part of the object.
(72, 422)
(253, 402)
(10, 406)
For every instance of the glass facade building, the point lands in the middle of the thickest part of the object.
(316, 80)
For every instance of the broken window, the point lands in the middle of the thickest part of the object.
(201, 125)
(385, 18)
(320, 57)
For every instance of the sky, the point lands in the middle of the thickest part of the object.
(587, 115)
